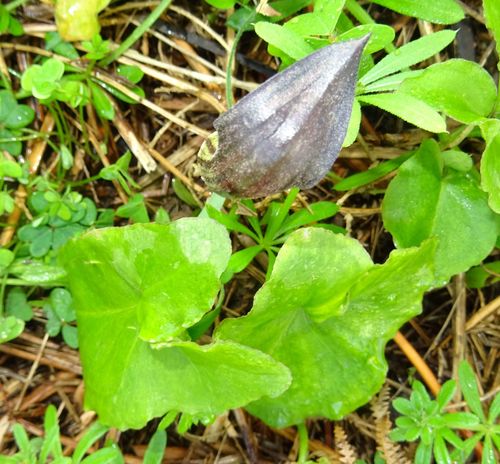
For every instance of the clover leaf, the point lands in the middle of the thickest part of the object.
(326, 313)
(136, 290)
(13, 117)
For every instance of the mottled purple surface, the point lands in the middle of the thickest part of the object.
(289, 131)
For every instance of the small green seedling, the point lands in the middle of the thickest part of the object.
(429, 422)
(119, 172)
(60, 314)
(135, 209)
(271, 231)
(57, 218)
(46, 449)
(13, 118)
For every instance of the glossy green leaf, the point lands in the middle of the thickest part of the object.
(354, 123)
(135, 209)
(285, 39)
(136, 290)
(316, 212)
(14, 147)
(17, 304)
(380, 36)
(92, 434)
(308, 24)
(371, 175)
(101, 101)
(326, 313)
(108, 455)
(462, 89)
(492, 16)
(412, 53)
(222, 4)
(439, 12)
(132, 73)
(10, 328)
(446, 393)
(468, 385)
(408, 108)
(10, 168)
(483, 275)
(156, 448)
(490, 163)
(427, 199)
(20, 116)
(7, 104)
(329, 10)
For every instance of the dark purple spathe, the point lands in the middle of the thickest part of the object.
(289, 131)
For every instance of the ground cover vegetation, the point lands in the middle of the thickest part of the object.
(169, 294)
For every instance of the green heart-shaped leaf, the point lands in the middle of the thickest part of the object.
(328, 330)
(431, 199)
(136, 290)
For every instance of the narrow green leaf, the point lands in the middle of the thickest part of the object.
(492, 16)
(390, 83)
(446, 393)
(439, 12)
(286, 40)
(441, 453)
(183, 193)
(92, 434)
(278, 215)
(108, 455)
(101, 101)
(230, 222)
(330, 11)
(317, 212)
(408, 108)
(21, 438)
(51, 443)
(354, 123)
(240, 260)
(460, 420)
(488, 452)
(372, 174)
(156, 448)
(468, 385)
(412, 53)
(494, 409)
(462, 89)
(380, 36)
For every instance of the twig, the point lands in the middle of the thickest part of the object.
(32, 371)
(423, 369)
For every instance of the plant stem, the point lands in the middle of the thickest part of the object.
(13, 5)
(230, 60)
(303, 443)
(136, 34)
